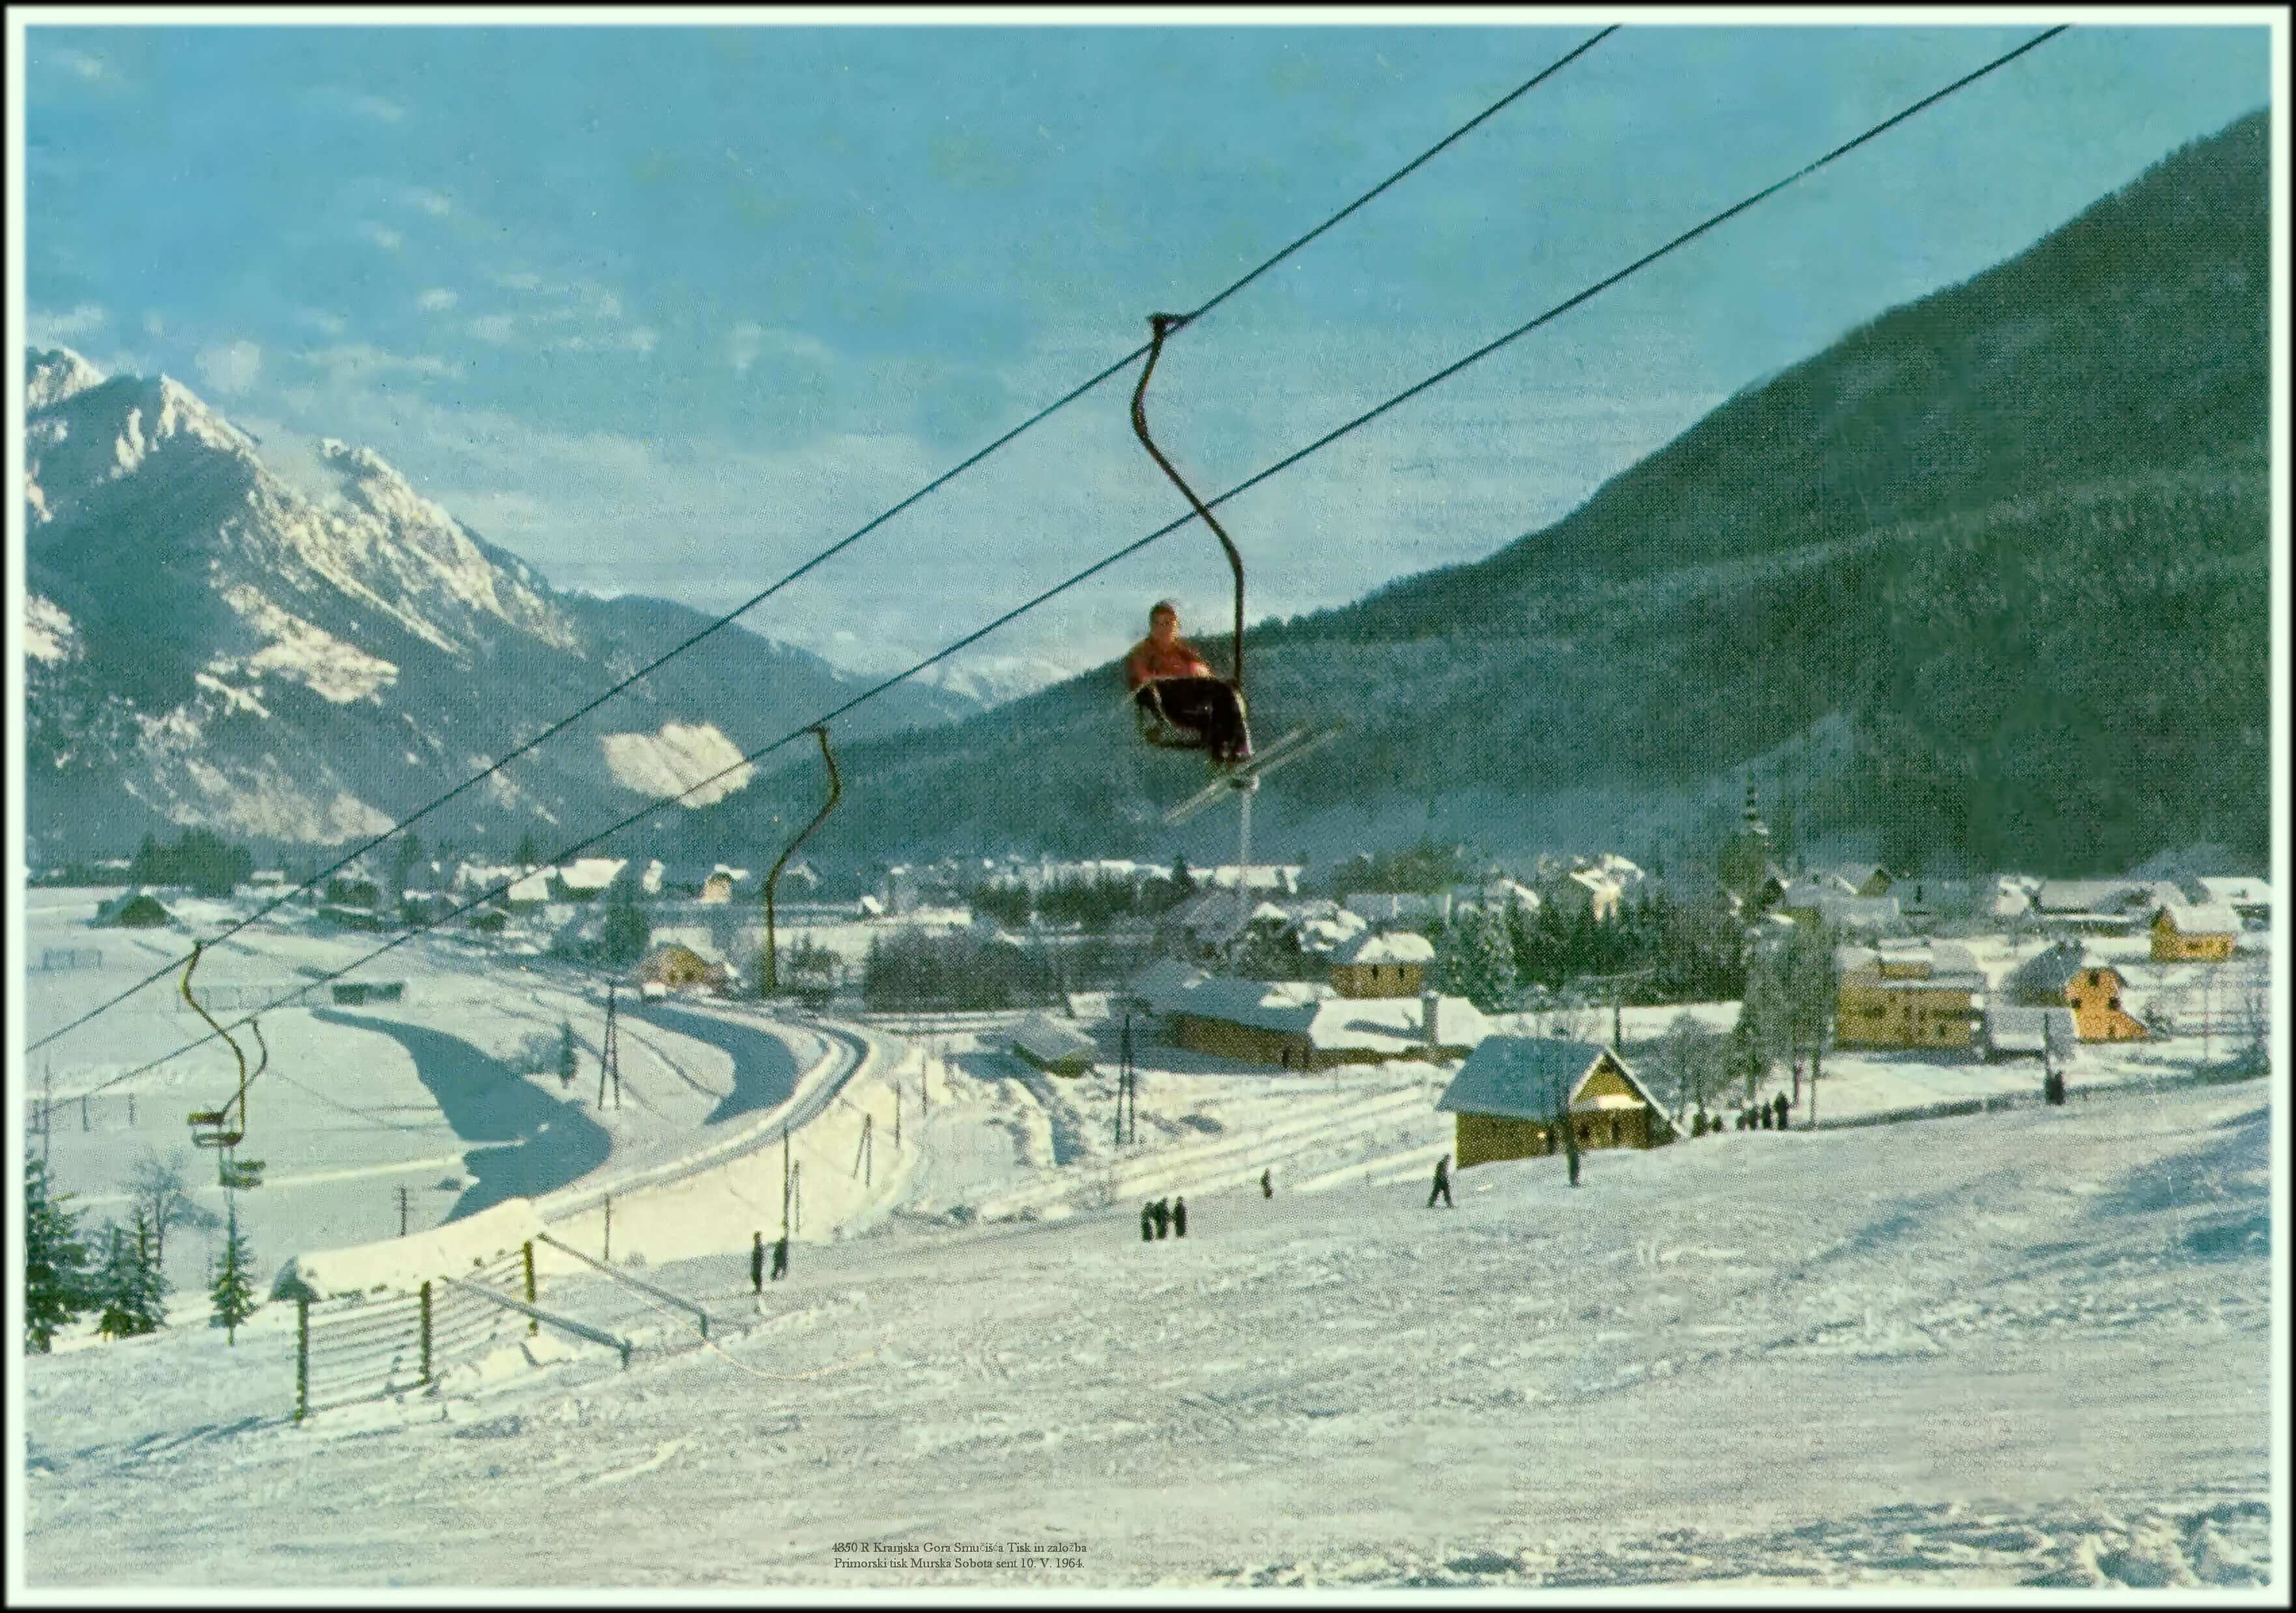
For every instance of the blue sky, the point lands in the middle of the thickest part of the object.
(667, 309)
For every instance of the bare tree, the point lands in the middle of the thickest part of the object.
(1686, 1061)
(157, 1188)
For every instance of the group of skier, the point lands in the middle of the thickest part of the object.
(1165, 1215)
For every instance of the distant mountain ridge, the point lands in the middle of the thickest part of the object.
(1986, 582)
(205, 644)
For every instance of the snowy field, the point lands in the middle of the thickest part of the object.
(428, 1093)
(2026, 1348)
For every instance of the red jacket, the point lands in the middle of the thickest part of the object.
(1149, 660)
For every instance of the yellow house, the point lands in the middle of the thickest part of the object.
(680, 967)
(2092, 991)
(1392, 964)
(1508, 1095)
(1916, 1001)
(2183, 934)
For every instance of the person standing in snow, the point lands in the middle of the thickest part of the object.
(1781, 1106)
(1266, 1187)
(1179, 1218)
(780, 1257)
(1163, 1217)
(758, 1263)
(1442, 1188)
(1147, 1223)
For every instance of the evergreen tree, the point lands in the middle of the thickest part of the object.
(55, 1261)
(528, 855)
(1475, 959)
(233, 1294)
(134, 1293)
(566, 1060)
(1183, 881)
(626, 932)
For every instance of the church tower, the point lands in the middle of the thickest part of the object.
(1746, 857)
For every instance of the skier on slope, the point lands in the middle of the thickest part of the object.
(1442, 1187)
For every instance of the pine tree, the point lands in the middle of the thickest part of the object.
(566, 1060)
(55, 1261)
(528, 855)
(233, 1294)
(1475, 960)
(135, 1301)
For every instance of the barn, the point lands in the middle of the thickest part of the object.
(1507, 1094)
(1053, 1047)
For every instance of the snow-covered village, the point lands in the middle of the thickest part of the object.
(519, 1089)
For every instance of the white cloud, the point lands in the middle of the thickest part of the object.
(153, 326)
(90, 68)
(641, 340)
(430, 201)
(383, 235)
(333, 324)
(231, 369)
(49, 330)
(500, 329)
(521, 282)
(748, 342)
(437, 299)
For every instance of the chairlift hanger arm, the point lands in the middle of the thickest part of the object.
(1161, 325)
(214, 1119)
(836, 790)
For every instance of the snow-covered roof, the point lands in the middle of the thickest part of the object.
(590, 874)
(2083, 895)
(2047, 972)
(533, 887)
(2239, 890)
(2020, 1030)
(2211, 919)
(1388, 947)
(1049, 1042)
(1522, 1077)
(1287, 1006)
(1163, 982)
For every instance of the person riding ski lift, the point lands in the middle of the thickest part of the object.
(1172, 681)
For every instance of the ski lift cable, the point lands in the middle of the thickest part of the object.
(934, 485)
(1133, 548)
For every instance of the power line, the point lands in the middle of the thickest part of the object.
(843, 544)
(1129, 549)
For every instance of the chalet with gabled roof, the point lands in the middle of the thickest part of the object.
(1509, 1095)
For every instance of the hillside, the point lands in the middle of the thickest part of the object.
(1987, 580)
(205, 644)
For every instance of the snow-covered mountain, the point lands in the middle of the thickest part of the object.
(991, 680)
(205, 644)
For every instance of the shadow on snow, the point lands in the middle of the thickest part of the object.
(549, 1143)
(765, 1071)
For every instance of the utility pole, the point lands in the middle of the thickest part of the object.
(402, 1212)
(47, 1108)
(610, 1053)
(864, 1157)
(786, 1180)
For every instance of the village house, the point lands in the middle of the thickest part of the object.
(1589, 892)
(1392, 963)
(2060, 977)
(2250, 897)
(134, 908)
(1508, 1096)
(1296, 1024)
(1864, 879)
(1055, 1048)
(587, 878)
(1927, 999)
(1829, 898)
(2183, 933)
(1159, 987)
